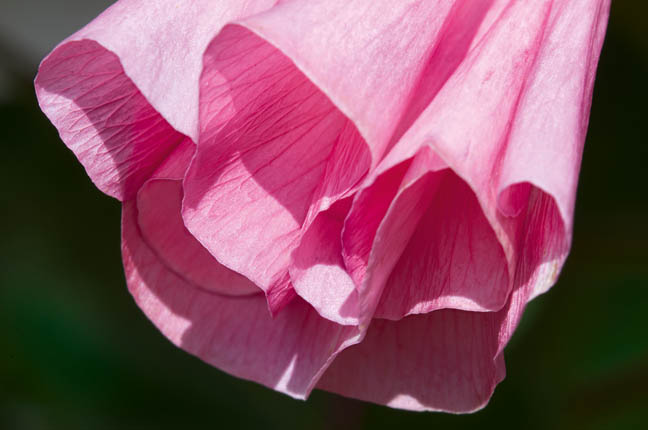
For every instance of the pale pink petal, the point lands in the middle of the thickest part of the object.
(103, 118)
(123, 90)
(446, 360)
(235, 334)
(471, 124)
(367, 61)
(268, 140)
(318, 272)
(367, 165)
(158, 203)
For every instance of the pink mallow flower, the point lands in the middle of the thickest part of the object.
(358, 196)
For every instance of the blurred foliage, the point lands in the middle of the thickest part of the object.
(76, 353)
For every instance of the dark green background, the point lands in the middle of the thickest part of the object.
(76, 353)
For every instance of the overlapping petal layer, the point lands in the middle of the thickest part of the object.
(236, 334)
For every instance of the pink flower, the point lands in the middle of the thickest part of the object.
(359, 196)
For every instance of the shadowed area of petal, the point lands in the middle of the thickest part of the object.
(235, 334)
(272, 146)
(123, 91)
(382, 219)
(103, 118)
(452, 260)
(158, 204)
(473, 125)
(427, 246)
(369, 62)
(446, 360)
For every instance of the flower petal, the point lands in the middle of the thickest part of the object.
(366, 61)
(123, 91)
(235, 334)
(318, 272)
(103, 118)
(268, 140)
(473, 121)
(159, 204)
(546, 137)
(445, 361)
(452, 260)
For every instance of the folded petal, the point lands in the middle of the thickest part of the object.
(370, 69)
(159, 202)
(452, 260)
(381, 221)
(269, 139)
(118, 137)
(235, 334)
(318, 272)
(414, 241)
(546, 137)
(325, 273)
(123, 91)
(445, 361)
(474, 122)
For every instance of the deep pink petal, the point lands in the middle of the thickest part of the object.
(269, 151)
(235, 334)
(123, 90)
(446, 360)
(452, 260)
(382, 219)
